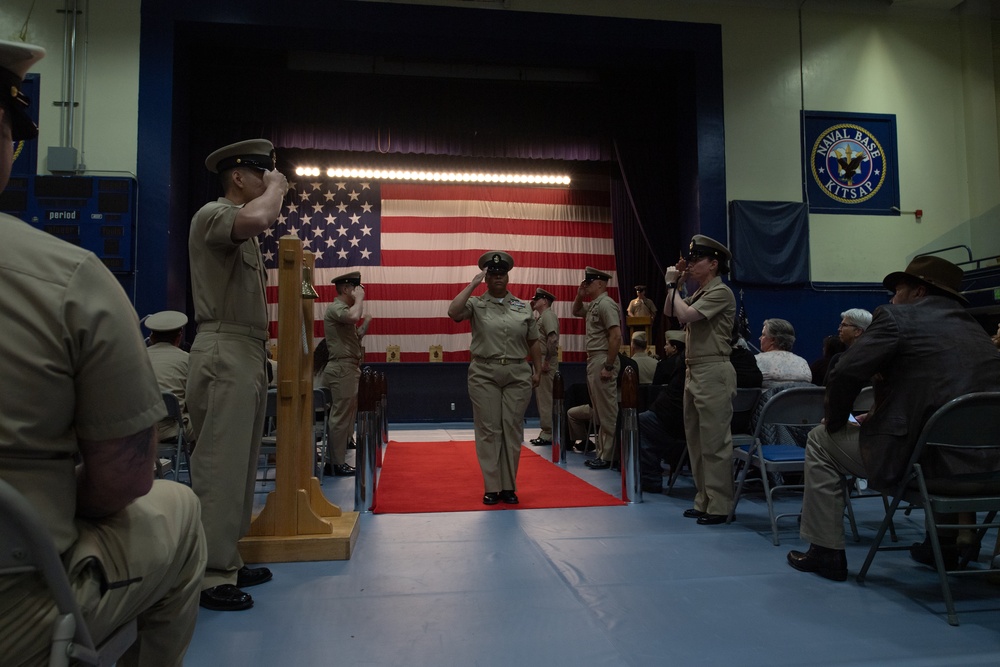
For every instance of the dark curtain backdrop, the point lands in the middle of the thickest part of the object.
(770, 242)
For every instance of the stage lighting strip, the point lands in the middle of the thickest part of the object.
(436, 176)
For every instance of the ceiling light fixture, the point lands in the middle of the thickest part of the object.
(435, 176)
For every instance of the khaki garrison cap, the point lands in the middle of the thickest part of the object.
(352, 278)
(590, 273)
(16, 58)
(254, 153)
(165, 320)
(496, 261)
(675, 335)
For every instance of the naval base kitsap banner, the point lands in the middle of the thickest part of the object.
(850, 165)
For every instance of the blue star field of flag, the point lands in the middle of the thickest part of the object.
(338, 221)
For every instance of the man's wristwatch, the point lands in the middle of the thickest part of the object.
(609, 367)
(671, 285)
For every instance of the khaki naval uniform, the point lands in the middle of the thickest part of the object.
(708, 397)
(548, 323)
(170, 365)
(227, 382)
(602, 315)
(641, 307)
(71, 339)
(499, 384)
(341, 375)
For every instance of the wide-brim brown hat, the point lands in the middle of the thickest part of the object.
(930, 270)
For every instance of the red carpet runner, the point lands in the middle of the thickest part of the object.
(445, 477)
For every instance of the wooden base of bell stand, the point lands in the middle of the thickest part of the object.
(300, 526)
(338, 544)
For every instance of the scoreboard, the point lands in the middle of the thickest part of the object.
(94, 212)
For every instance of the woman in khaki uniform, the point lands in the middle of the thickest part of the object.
(711, 380)
(504, 333)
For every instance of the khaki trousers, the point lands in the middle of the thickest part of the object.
(227, 392)
(145, 562)
(341, 376)
(604, 397)
(499, 395)
(708, 410)
(543, 398)
(828, 457)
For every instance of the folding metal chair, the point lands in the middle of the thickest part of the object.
(968, 426)
(174, 448)
(779, 444)
(25, 547)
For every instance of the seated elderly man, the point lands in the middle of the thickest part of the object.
(776, 361)
(920, 352)
(853, 323)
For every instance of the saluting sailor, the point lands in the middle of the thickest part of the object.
(227, 382)
(504, 333)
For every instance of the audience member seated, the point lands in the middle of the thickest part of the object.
(78, 438)
(645, 363)
(673, 356)
(776, 361)
(748, 376)
(921, 351)
(578, 417)
(832, 345)
(170, 365)
(853, 323)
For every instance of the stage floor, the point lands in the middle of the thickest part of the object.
(636, 585)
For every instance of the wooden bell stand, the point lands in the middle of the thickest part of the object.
(297, 523)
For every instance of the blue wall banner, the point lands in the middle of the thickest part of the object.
(849, 163)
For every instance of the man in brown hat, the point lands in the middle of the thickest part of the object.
(919, 352)
(78, 438)
(227, 380)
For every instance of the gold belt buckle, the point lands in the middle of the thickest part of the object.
(503, 361)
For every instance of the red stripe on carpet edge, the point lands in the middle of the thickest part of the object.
(424, 477)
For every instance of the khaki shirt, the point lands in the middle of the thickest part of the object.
(602, 315)
(170, 365)
(548, 323)
(227, 277)
(500, 330)
(641, 307)
(76, 367)
(710, 337)
(341, 334)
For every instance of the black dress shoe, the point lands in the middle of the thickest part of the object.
(827, 563)
(711, 519)
(597, 464)
(693, 513)
(491, 498)
(225, 598)
(344, 470)
(540, 441)
(923, 553)
(252, 576)
(509, 497)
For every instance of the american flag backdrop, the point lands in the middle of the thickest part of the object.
(417, 246)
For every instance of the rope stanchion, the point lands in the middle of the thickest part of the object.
(364, 478)
(558, 420)
(631, 480)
